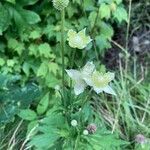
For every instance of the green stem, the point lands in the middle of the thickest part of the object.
(127, 36)
(63, 47)
(72, 63)
(92, 32)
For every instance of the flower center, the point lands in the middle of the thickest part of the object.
(99, 81)
(77, 39)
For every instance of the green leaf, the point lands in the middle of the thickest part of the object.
(51, 80)
(32, 125)
(92, 18)
(102, 42)
(36, 34)
(7, 113)
(2, 61)
(26, 2)
(88, 5)
(4, 18)
(15, 45)
(106, 30)
(26, 68)
(27, 114)
(11, 1)
(30, 16)
(120, 14)
(43, 141)
(45, 50)
(10, 63)
(53, 67)
(43, 104)
(43, 70)
(33, 50)
(104, 11)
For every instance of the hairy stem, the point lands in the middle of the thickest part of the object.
(63, 47)
(127, 36)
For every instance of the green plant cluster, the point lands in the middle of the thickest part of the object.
(31, 74)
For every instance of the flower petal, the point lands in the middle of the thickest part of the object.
(71, 33)
(82, 32)
(88, 69)
(98, 90)
(79, 87)
(88, 80)
(74, 74)
(78, 40)
(109, 90)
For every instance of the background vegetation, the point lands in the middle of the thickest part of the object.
(30, 70)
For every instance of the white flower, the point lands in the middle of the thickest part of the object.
(100, 82)
(78, 40)
(74, 123)
(77, 77)
(85, 132)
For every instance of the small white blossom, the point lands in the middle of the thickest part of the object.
(74, 123)
(85, 132)
(78, 40)
(77, 77)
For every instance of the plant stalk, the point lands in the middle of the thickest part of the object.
(127, 36)
(63, 47)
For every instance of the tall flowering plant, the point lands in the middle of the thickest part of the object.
(72, 123)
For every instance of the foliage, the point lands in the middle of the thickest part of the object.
(30, 77)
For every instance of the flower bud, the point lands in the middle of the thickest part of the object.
(141, 139)
(60, 4)
(91, 128)
(85, 132)
(74, 123)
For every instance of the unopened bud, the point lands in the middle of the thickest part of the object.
(60, 4)
(85, 132)
(74, 123)
(92, 128)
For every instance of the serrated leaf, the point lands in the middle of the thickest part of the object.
(104, 11)
(27, 114)
(30, 17)
(120, 14)
(33, 49)
(10, 63)
(15, 45)
(43, 141)
(44, 50)
(2, 61)
(43, 104)
(36, 34)
(53, 67)
(106, 30)
(43, 70)
(102, 42)
(88, 5)
(51, 80)
(92, 18)
(4, 18)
